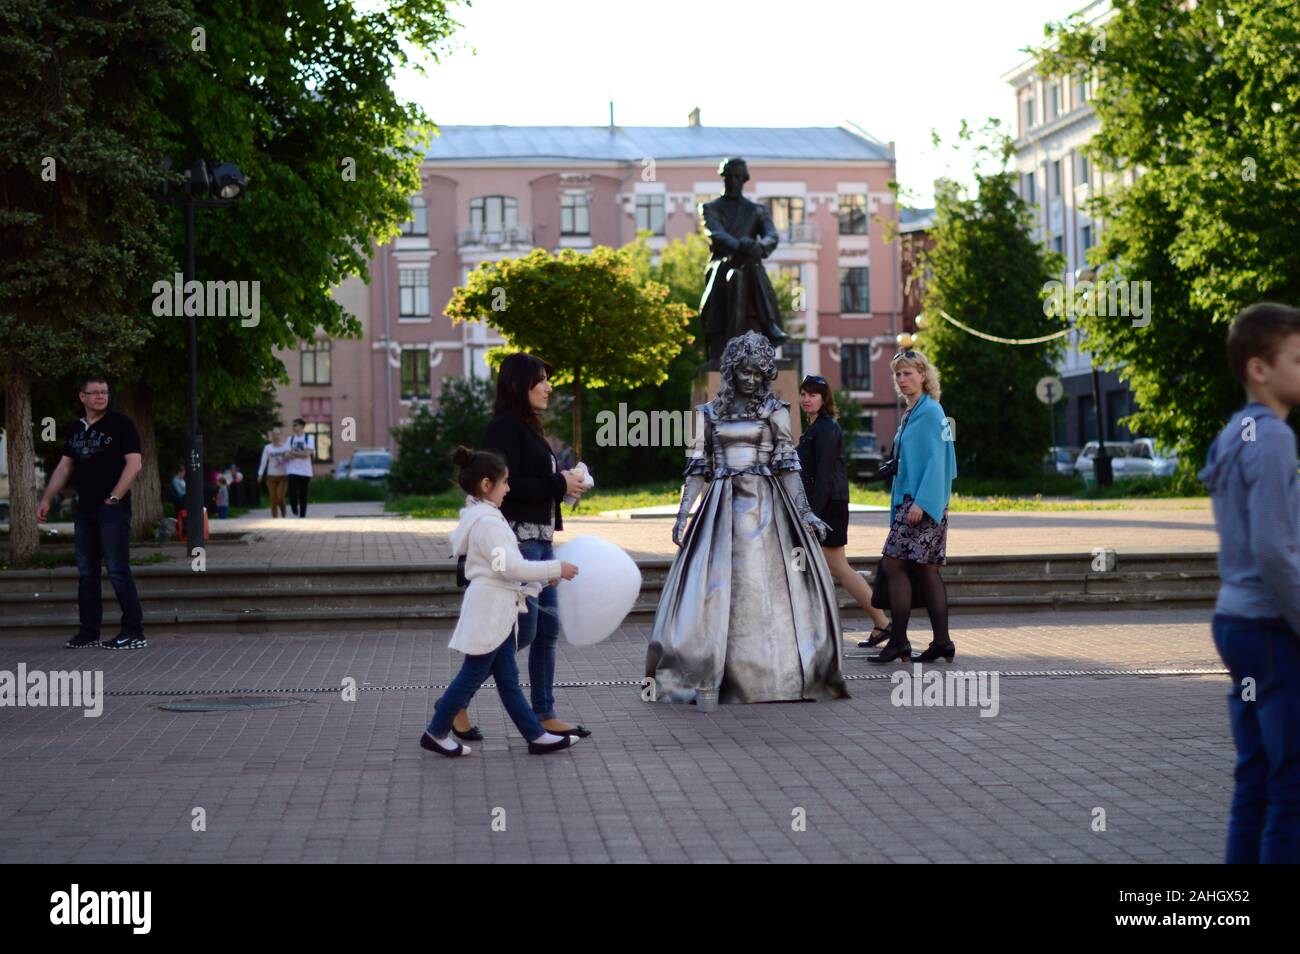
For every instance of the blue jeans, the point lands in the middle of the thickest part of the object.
(103, 537)
(539, 629)
(1265, 823)
(474, 671)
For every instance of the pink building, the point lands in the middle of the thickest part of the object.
(493, 192)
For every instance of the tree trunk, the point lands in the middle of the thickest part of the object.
(577, 416)
(136, 402)
(23, 493)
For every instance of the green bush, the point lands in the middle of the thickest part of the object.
(335, 490)
(423, 462)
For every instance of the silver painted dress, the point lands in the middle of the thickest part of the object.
(749, 604)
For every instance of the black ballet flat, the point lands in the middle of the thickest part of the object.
(473, 735)
(877, 637)
(427, 742)
(578, 731)
(541, 748)
(891, 653)
(935, 651)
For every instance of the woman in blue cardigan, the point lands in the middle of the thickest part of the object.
(918, 535)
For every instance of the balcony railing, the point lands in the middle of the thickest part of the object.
(496, 238)
(801, 233)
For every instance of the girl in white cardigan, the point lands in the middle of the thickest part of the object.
(499, 581)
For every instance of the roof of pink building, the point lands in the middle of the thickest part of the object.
(633, 143)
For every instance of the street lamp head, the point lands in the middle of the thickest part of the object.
(228, 182)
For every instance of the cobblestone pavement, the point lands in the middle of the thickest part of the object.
(333, 780)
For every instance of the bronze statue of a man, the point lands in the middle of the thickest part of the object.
(738, 296)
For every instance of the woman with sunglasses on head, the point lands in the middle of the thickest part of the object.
(826, 484)
(918, 534)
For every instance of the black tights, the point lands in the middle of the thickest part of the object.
(902, 575)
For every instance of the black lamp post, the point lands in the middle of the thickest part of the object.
(1101, 466)
(209, 186)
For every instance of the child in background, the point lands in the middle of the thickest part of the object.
(499, 581)
(1251, 473)
(223, 498)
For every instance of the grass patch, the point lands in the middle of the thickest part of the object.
(345, 490)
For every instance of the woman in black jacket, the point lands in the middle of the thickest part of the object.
(532, 508)
(826, 482)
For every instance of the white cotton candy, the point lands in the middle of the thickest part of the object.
(595, 602)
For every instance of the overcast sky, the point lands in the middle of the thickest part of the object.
(897, 69)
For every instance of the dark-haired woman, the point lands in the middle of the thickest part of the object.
(826, 482)
(532, 509)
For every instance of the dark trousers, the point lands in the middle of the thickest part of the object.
(298, 494)
(103, 538)
(1264, 826)
(500, 665)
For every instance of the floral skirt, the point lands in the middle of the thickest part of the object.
(924, 542)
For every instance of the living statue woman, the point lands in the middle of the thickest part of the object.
(748, 608)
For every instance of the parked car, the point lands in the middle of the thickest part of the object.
(1117, 451)
(370, 465)
(864, 457)
(1060, 460)
(340, 470)
(1163, 462)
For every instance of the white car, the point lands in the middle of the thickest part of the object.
(1162, 462)
(1141, 457)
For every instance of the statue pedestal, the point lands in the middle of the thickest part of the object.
(786, 386)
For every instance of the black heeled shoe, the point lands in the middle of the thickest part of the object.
(935, 651)
(901, 652)
(541, 748)
(473, 735)
(427, 742)
(877, 636)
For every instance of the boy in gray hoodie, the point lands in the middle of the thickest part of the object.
(1251, 474)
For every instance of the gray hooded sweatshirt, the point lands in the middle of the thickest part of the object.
(1257, 513)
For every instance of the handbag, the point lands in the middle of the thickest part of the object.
(461, 580)
(880, 590)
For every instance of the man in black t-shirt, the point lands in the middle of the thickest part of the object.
(102, 458)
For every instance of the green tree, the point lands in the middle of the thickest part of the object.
(298, 95)
(988, 272)
(79, 235)
(588, 315)
(1199, 102)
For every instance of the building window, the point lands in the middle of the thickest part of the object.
(1085, 238)
(315, 362)
(650, 213)
(415, 374)
(413, 292)
(575, 214)
(1058, 243)
(792, 273)
(1080, 90)
(1084, 170)
(1053, 101)
(323, 432)
(853, 214)
(1028, 187)
(1029, 112)
(493, 213)
(418, 223)
(855, 366)
(1055, 177)
(785, 211)
(855, 293)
